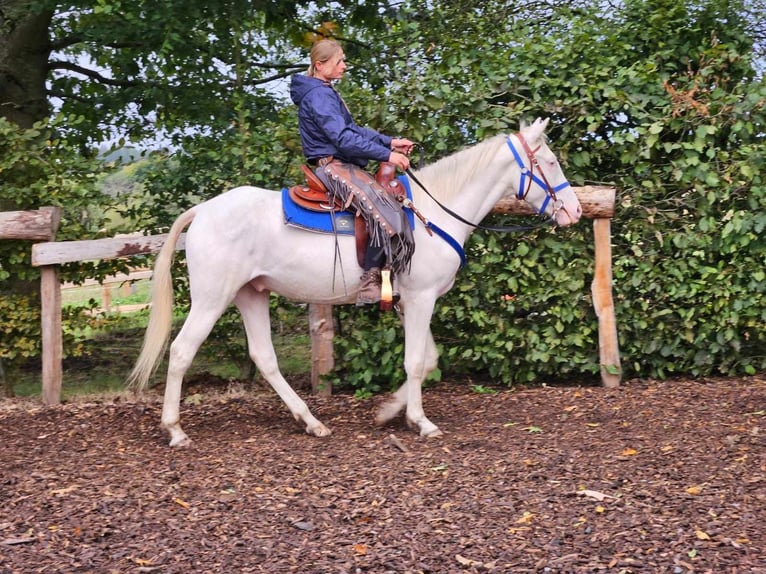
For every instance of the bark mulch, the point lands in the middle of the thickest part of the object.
(655, 477)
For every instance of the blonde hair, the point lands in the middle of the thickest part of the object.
(322, 51)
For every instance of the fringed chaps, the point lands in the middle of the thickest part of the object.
(386, 221)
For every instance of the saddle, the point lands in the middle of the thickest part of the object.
(314, 196)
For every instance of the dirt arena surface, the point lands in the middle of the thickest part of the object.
(653, 477)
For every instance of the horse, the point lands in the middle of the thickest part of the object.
(239, 250)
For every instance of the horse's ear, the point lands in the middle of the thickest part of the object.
(536, 130)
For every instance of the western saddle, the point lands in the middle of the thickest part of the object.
(314, 196)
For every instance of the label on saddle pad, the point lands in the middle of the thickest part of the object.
(316, 221)
(319, 222)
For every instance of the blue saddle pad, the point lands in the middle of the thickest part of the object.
(318, 222)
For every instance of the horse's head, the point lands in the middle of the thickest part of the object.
(542, 184)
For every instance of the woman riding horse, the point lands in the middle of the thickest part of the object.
(339, 149)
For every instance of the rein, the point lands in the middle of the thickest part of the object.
(461, 219)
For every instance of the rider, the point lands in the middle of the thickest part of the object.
(338, 148)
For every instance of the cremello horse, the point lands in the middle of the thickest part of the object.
(238, 250)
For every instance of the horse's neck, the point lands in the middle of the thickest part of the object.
(470, 190)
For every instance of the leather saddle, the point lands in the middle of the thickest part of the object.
(314, 196)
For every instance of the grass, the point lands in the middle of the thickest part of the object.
(120, 294)
(110, 351)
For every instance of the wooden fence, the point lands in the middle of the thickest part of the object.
(597, 202)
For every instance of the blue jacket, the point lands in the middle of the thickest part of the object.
(327, 128)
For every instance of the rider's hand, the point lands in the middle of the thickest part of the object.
(402, 145)
(399, 160)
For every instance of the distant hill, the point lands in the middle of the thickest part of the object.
(122, 155)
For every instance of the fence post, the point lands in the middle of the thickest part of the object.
(322, 331)
(42, 225)
(601, 289)
(52, 336)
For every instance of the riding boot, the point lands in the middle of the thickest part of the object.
(369, 290)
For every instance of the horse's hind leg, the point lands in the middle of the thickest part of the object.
(254, 307)
(195, 330)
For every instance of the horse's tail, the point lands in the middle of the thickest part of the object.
(161, 315)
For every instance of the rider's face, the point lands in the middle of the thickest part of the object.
(333, 68)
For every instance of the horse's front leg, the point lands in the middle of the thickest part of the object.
(420, 358)
(390, 409)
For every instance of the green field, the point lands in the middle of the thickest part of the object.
(105, 356)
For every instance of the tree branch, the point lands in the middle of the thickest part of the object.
(92, 74)
(67, 41)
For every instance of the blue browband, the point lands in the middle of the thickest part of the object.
(526, 172)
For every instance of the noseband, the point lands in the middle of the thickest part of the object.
(528, 176)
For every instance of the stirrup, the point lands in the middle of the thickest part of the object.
(386, 291)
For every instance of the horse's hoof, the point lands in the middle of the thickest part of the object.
(387, 413)
(427, 428)
(318, 430)
(177, 435)
(181, 442)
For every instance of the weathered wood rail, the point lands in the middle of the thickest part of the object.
(597, 202)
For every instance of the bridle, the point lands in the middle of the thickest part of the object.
(528, 176)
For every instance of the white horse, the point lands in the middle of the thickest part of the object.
(238, 250)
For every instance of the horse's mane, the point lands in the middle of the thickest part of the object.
(448, 175)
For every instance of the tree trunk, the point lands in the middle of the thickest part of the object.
(6, 383)
(24, 53)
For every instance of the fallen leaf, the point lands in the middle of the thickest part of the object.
(195, 399)
(467, 561)
(526, 518)
(592, 425)
(629, 452)
(694, 490)
(62, 491)
(600, 496)
(701, 534)
(600, 509)
(181, 502)
(360, 549)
